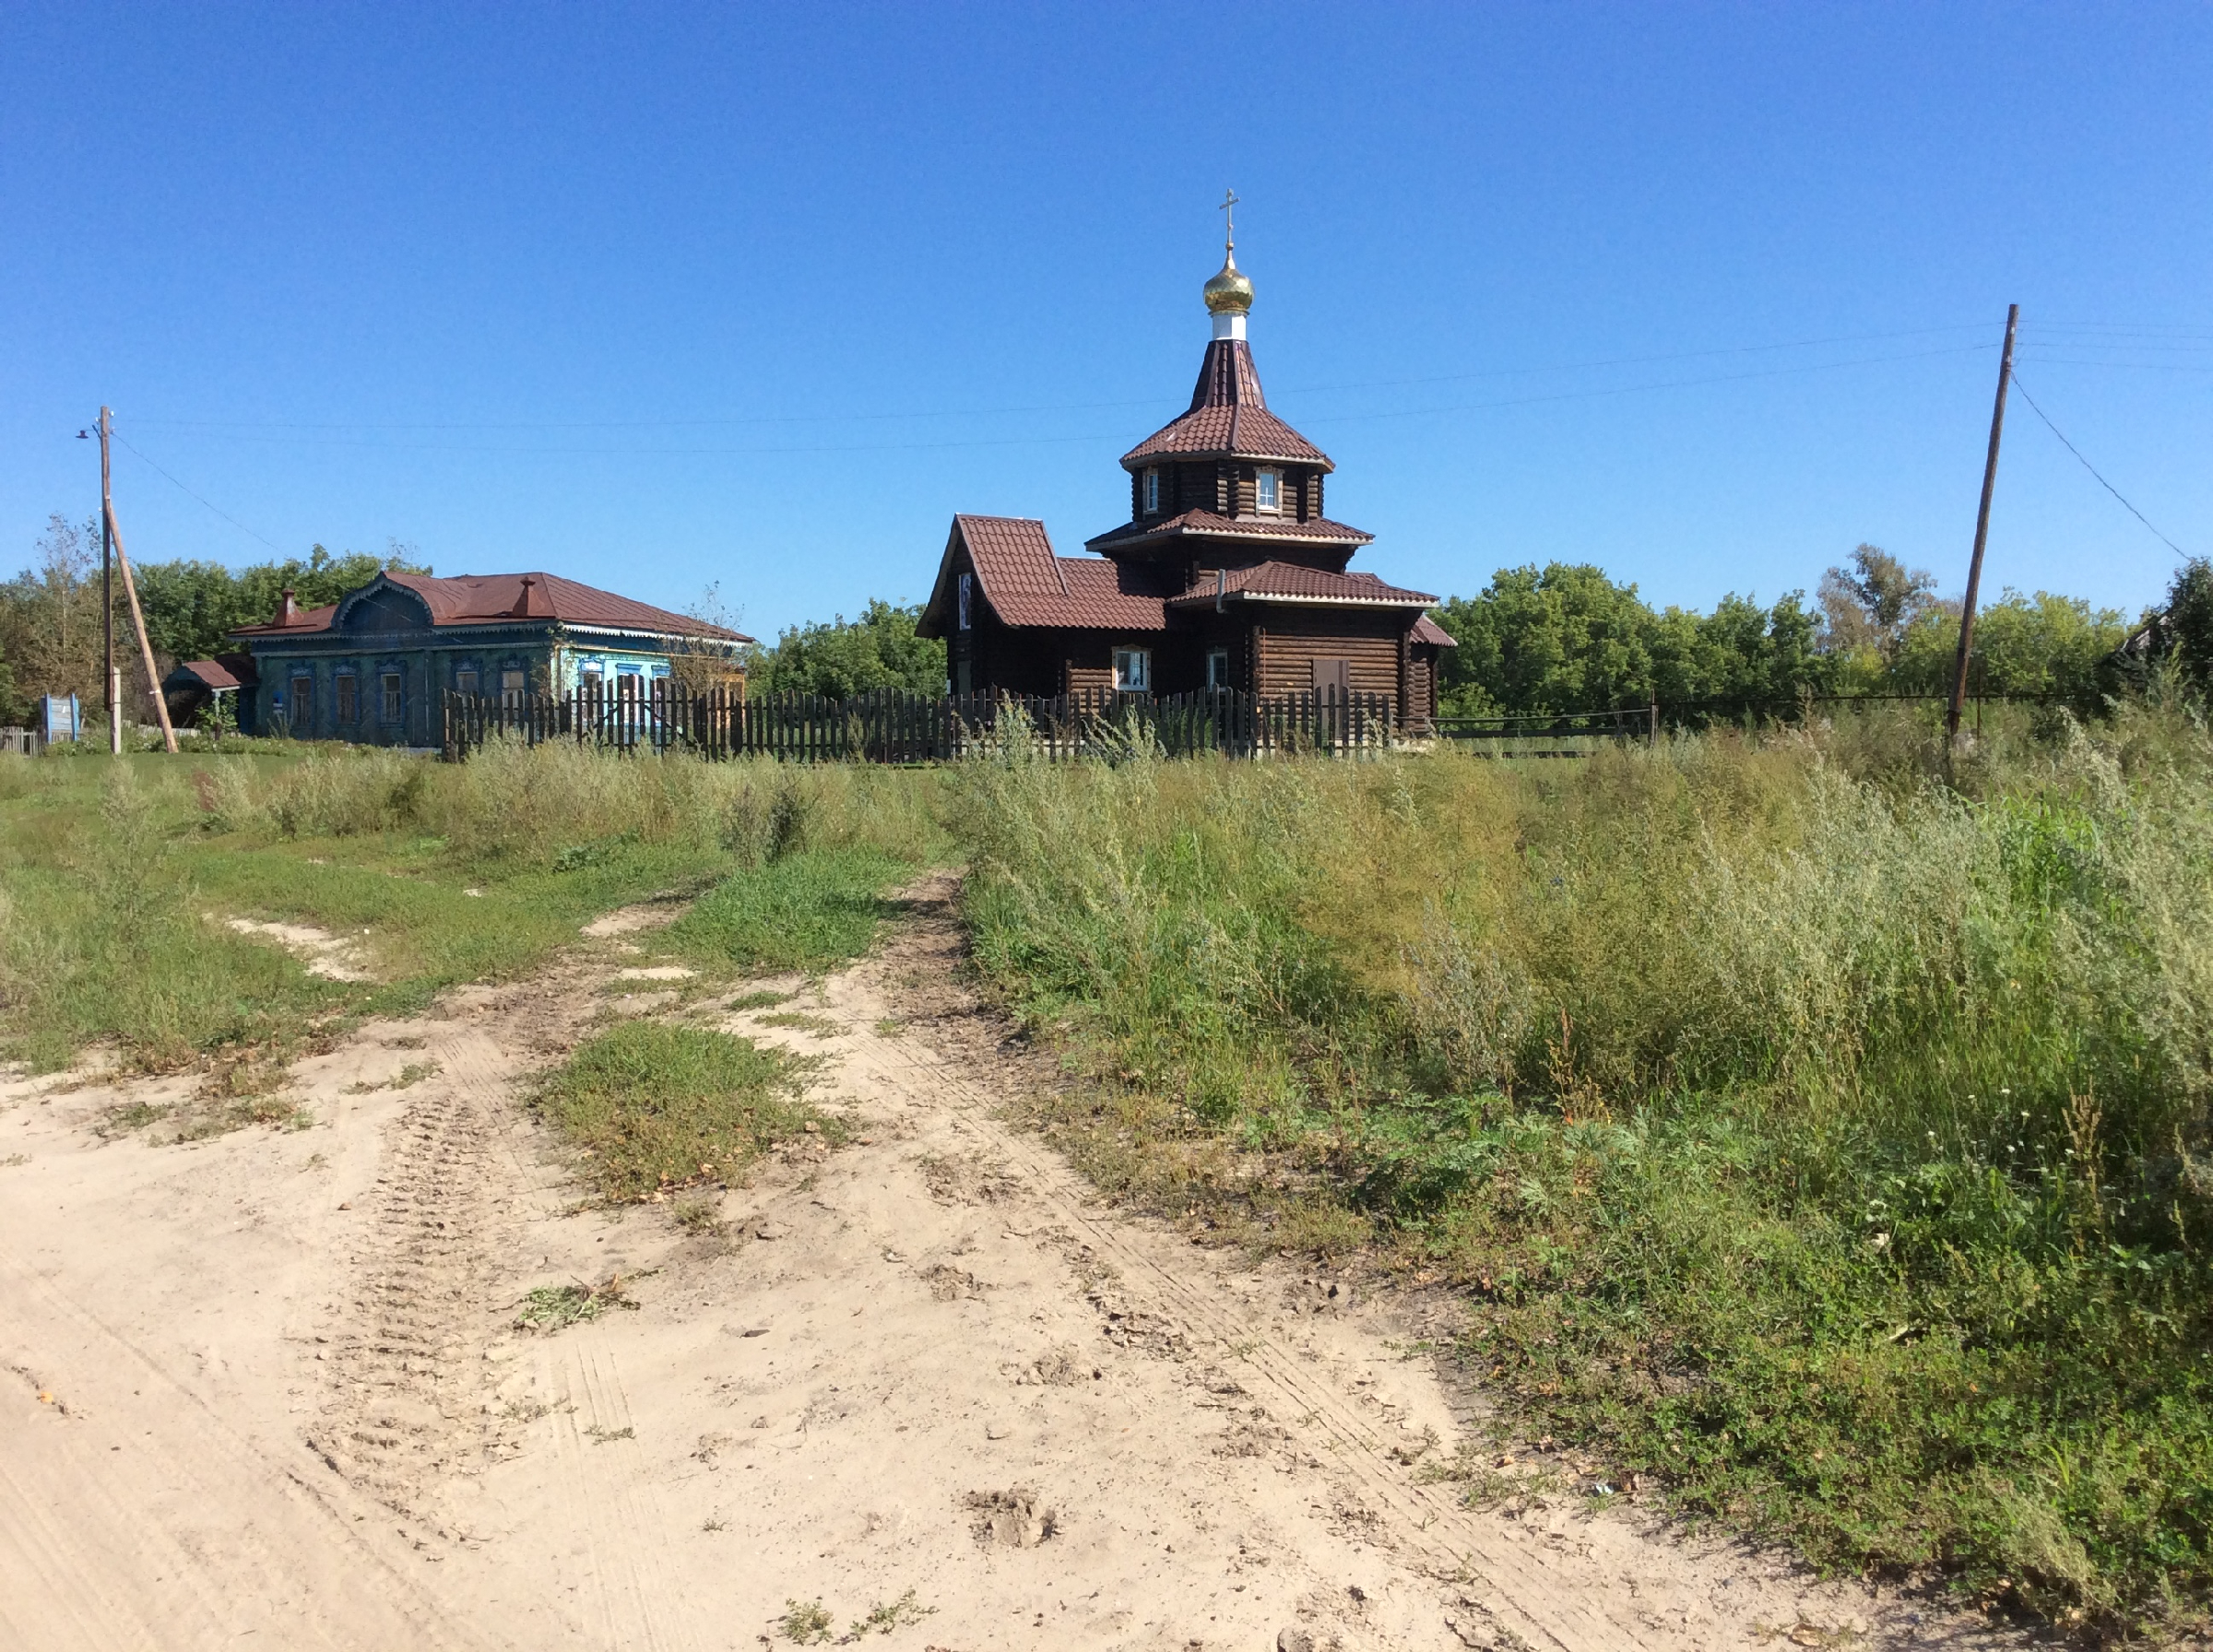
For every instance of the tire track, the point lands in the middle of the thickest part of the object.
(404, 1408)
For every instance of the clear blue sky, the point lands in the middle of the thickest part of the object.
(659, 296)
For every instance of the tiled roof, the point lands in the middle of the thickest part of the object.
(1318, 530)
(1228, 417)
(1288, 582)
(208, 674)
(1026, 585)
(1426, 630)
(496, 598)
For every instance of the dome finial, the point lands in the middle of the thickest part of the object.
(1229, 294)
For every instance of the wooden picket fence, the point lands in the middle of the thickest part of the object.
(891, 726)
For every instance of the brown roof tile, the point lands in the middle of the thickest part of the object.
(1228, 416)
(1319, 530)
(1426, 630)
(1026, 585)
(493, 598)
(1289, 582)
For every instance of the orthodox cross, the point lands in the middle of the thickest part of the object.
(1229, 219)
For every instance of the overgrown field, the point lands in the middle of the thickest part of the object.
(1823, 1139)
(116, 881)
(1834, 1150)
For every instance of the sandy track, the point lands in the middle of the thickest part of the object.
(288, 1399)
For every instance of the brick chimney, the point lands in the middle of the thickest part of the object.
(288, 611)
(531, 604)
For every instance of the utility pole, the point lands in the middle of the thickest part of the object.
(112, 533)
(1974, 566)
(112, 678)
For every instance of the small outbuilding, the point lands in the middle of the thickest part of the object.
(373, 666)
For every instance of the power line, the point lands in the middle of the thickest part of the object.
(1054, 408)
(225, 515)
(2116, 492)
(260, 434)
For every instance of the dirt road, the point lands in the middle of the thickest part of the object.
(925, 1391)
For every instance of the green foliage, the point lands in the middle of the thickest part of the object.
(812, 910)
(190, 606)
(843, 657)
(655, 1108)
(2058, 647)
(2188, 624)
(1567, 638)
(1841, 1155)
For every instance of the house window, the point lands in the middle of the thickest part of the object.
(303, 707)
(591, 679)
(1266, 497)
(349, 706)
(1217, 668)
(389, 682)
(464, 680)
(512, 684)
(1152, 492)
(965, 581)
(1132, 670)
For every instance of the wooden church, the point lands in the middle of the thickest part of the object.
(1228, 574)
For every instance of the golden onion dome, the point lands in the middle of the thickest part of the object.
(1230, 291)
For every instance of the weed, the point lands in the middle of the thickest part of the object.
(821, 1026)
(601, 1436)
(761, 1000)
(127, 1116)
(556, 1307)
(883, 1618)
(806, 1623)
(698, 1214)
(414, 1073)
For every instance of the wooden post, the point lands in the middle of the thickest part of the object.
(110, 530)
(107, 604)
(1974, 566)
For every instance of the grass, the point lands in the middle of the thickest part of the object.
(110, 873)
(655, 1108)
(1827, 1144)
(1817, 1128)
(800, 1021)
(811, 911)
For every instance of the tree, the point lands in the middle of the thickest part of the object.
(1560, 638)
(50, 616)
(878, 650)
(2186, 627)
(1871, 604)
(49, 613)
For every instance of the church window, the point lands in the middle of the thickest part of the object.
(1132, 670)
(1152, 492)
(1266, 494)
(967, 579)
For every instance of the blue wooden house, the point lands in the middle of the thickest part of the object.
(373, 666)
